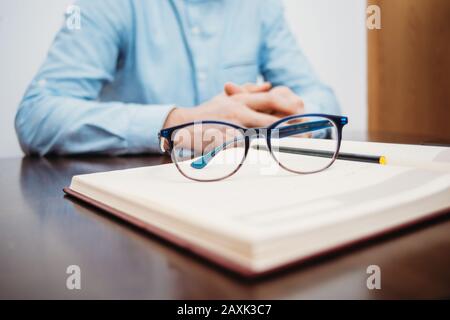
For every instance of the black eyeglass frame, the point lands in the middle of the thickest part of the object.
(165, 139)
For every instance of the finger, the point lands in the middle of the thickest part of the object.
(266, 102)
(231, 89)
(289, 99)
(251, 118)
(256, 88)
(275, 103)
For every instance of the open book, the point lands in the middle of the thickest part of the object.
(260, 220)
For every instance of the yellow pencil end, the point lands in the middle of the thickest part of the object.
(383, 160)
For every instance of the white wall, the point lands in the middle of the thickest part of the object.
(27, 28)
(333, 35)
(331, 32)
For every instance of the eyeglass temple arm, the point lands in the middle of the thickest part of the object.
(201, 162)
(283, 132)
(299, 128)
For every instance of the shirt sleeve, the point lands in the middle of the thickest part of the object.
(283, 62)
(60, 112)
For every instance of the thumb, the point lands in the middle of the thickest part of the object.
(232, 89)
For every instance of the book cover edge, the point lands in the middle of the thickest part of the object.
(238, 269)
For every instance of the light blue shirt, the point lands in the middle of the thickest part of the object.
(109, 86)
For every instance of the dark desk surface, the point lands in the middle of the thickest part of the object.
(42, 232)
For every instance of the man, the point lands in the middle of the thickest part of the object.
(136, 66)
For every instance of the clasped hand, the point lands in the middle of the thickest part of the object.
(249, 105)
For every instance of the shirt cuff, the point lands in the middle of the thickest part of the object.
(145, 123)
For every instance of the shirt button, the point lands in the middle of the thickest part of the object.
(201, 76)
(42, 83)
(195, 31)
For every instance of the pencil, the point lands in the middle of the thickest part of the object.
(328, 154)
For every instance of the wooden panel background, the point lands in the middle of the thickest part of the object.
(409, 70)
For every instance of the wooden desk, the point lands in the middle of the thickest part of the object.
(42, 232)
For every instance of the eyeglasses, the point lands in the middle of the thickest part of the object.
(215, 150)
